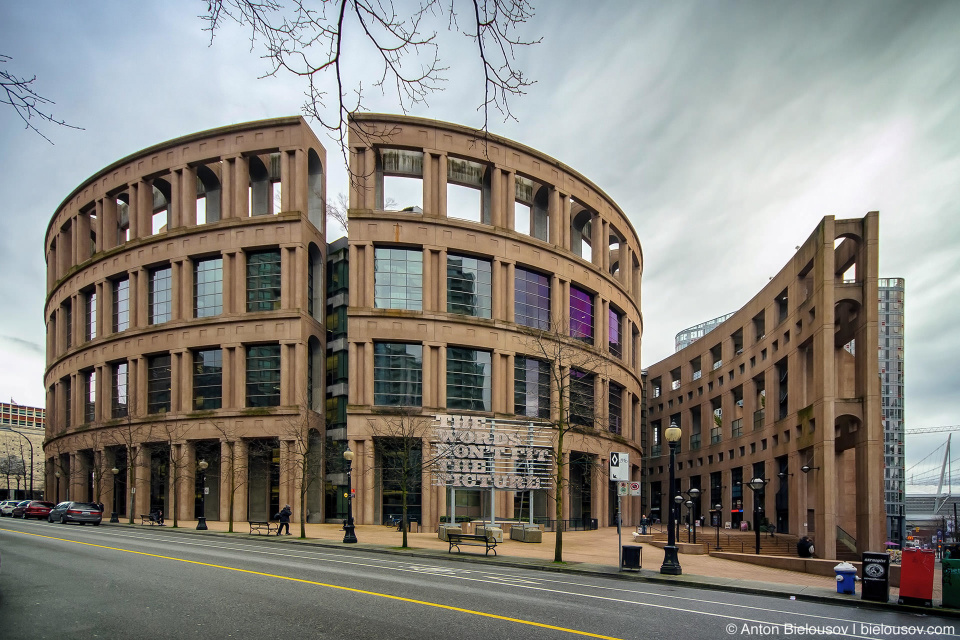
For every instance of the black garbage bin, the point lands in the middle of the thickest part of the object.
(875, 576)
(594, 524)
(631, 556)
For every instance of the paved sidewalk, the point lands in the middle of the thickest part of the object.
(589, 552)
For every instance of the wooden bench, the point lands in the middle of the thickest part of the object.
(149, 518)
(262, 526)
(457, 539)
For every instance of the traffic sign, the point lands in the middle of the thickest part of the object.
(619, 466)
(634, 488)
(622, 488)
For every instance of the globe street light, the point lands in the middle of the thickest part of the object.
(57, 475)
(677, 501)
(349, 534)
(114, 517)
(757, 485)
(693, 504)
(671, 562)
(202, 520)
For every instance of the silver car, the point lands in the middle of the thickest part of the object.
(82, 512)
(6, 507)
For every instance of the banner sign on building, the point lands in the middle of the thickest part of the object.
(482, 453)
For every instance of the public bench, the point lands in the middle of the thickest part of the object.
(149, 518)
(458, 539)
(262, 526)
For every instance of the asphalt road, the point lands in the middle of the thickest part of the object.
(68, 581)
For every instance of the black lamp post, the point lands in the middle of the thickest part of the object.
(671, 562)
(757, 485)
(718, 509)
(694, 494)
(677, 501)
(349, 534)
(114, 517)
(57, 476)
(202, 520)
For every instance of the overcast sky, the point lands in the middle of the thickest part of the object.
(725, 131)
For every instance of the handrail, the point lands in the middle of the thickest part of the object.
(848, 541)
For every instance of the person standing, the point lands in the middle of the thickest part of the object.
(284, 516)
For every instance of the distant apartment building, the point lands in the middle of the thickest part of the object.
(890, 355)
(691, 334)
(21, 438)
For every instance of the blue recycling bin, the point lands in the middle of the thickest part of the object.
(846, 577)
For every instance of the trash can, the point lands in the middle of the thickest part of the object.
(631, 556)
(846, 577)
(951, 583)
(876, 576)
(594, 524)
(916, 577)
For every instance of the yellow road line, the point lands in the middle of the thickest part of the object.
(330, 586)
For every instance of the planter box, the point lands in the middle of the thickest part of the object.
(447, 528)
(526, 533)
(495, 532)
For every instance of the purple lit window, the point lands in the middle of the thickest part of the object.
(581, 315)
(615, 346)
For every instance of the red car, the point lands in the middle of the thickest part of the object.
(38, 509)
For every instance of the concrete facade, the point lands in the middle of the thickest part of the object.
(504, 211)
(181, 325)
(773, 389)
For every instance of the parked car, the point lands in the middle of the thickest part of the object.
(6, 507)
(38, 509)
(82, 512)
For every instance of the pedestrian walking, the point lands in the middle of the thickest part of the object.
(284, 517)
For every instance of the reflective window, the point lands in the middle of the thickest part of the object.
(469, 286)
(158, 384)
(397, 374)
(207, 379)
(208, 287)
(398, 279)
(121, 305)
(581, 398)
(118, 390)
(581, 315)
(68, 401)
(263, 280)
(263, 376)
(615, 339)
(615, 409)
(161, 295)
(90, 318)
(89, 396)
(468, 379)
(531, 388)
(531, 299)
(68, 320)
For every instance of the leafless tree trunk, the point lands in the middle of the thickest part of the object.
(569, 402)
(305, 431)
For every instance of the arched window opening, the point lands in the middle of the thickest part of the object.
(123, 218)
(614, 245)
(161, 206)
(260, 197)
(468, 190)
(208, 194)
(581, 231)
(530, 209)
(400, 180)
(316, 194)
(315, 303)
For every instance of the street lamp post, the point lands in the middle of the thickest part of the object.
(718, 508)
(57, 476)
(671, 562)
(692, 504)
(24, 436)
(349, 534)
(677, 501)
(757, 485)
(114, 517)
(202, 520)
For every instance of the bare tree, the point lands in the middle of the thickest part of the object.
(398, 438)
(173, 433)
(571, 367)
(309, 39)
(337, 209)
(19, 93)
(131, 435)
(305, 432)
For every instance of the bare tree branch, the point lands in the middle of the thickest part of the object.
(20, 94)
(307, 39)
